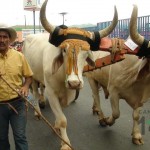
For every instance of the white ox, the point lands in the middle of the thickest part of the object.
(60, 68)
(128, 80)
(60, 88)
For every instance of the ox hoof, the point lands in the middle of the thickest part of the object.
(65, 147)
(42, 105)
(57, 130)
(37, 117)
(74, 101)
(109, 121)
(102, 122)
(137, 141)
(95, 112)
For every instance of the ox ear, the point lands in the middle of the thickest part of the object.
(90, 59)
(57, 62)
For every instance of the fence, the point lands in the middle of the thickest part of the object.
(122, 28)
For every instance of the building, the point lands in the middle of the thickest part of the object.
(23, 31)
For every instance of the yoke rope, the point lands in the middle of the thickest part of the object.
(117, 46)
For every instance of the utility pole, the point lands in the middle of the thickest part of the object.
(25, 22)
(34, 20)
(63, 15)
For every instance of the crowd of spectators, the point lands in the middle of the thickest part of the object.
(17, 46)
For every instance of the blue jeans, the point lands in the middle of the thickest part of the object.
(17, 122)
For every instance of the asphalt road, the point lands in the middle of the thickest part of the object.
(83, 127)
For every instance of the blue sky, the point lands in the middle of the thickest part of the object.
(78, 11)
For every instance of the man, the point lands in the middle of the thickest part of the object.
(15, 70)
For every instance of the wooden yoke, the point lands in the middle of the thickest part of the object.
(111, 45)
(106, 45)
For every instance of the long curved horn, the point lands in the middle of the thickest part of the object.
(135, 36)
(47, 26)
(110, 28)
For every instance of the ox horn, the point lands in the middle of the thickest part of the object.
(110, 28)
(47, 26)
(135, 36)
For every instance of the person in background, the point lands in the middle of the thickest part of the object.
(19, 48)
(16, 71)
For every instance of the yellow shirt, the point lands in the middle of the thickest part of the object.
(13, 67)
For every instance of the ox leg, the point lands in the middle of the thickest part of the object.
(114, 99)
(42, 100)
(96, 101)
(61, 121)
(36, 96)
(136, 134)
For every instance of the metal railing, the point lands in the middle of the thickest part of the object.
(122, 28)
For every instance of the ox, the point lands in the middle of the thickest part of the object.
(128, 79)
(37, 89)
(60, 67)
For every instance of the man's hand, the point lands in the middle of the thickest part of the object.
(24, 91)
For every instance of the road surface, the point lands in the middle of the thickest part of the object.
(83, 127)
